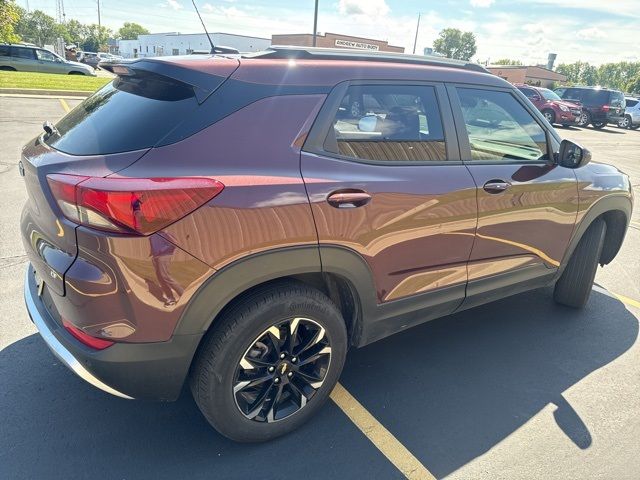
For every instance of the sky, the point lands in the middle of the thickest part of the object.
(596, 31)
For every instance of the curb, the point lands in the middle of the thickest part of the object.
(44, 93)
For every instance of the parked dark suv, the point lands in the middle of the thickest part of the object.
(599, 105)
(233, 223)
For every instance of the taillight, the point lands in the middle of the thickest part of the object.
(88, 340)
(130, 205)
(605, 108)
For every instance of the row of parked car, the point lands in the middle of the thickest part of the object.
(583, 106)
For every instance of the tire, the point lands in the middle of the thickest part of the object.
(550, 115)
(219, 375)
(599, 125)
(635, 127)
(574, 286)
(7, 69)
(584, 119)
(76, 73)
(625, 122)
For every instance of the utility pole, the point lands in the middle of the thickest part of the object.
(99, 23)
(315, 24)
(415, 41)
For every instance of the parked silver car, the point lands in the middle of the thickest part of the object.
(631, 117)
(25, 58)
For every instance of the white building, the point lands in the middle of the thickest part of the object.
(174, 43)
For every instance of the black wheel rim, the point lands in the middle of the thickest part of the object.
(282, 370)
(583, 119)
(548, 116)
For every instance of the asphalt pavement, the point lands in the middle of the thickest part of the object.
(518, 389)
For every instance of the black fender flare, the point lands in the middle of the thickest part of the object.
(609, 203)
(239, 276)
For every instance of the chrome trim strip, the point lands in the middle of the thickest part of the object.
(64, 355)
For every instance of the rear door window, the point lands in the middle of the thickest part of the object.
(500, 128)
(388, 123)
(632, 103)
(5, 50)
(131, 113)
(19, 52)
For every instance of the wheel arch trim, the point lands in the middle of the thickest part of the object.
(607, 204)
(236, 278)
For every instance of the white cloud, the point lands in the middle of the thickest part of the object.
(591, 33)
(368, 8)
(207, 7)
(173, 4)
(481, 3)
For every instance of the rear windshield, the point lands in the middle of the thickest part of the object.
(131, 113)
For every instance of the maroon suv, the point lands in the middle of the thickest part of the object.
(234, 224)
(554, 108)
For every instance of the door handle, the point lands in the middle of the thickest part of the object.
(496, 186)
(348, 198)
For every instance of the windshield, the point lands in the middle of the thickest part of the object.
(548, 94)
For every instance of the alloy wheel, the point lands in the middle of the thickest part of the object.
(583, 120)
(624, 123)
(549, 116)
(282, 370)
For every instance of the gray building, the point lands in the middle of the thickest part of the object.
(175, 43)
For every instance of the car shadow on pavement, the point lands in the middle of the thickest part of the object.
(449, 390)
(452, 389)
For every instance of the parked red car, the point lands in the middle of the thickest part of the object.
(554, 108)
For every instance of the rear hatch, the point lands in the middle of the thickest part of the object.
(106, 133)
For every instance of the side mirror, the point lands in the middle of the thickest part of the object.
(572, 155)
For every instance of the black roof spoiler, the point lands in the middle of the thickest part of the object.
(204, 84)
(317, 53)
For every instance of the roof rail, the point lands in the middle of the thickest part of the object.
(318, 53)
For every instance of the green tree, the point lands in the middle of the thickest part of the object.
(96, 38)
(76, 32)
(506, 61)
(454, 43)
(9, 17)
(633, 85)
(579, 73)
(39, 28)
(130, 31)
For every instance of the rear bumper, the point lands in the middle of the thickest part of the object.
(152, 371)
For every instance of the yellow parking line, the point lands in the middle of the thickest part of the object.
(627, 300)
(384, 441)
(64, 104)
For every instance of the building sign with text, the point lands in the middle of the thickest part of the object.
(357, 45)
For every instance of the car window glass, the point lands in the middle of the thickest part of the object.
(616, 99)
(528, 92)
(500, 128)
(131, 113)
(388, 123)
(22, 52)
(631, 103)
(572, 94)
(4, 50)
(596, 97)
(46, 56)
